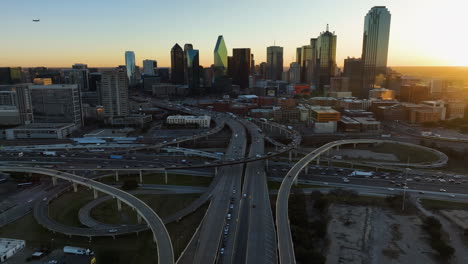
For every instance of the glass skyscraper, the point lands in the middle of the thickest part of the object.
(325, 51)
(220, 54)
(241, 67)
(193, 71)
(274, 63)
(375, 45)
(130, 64)
(177, 64)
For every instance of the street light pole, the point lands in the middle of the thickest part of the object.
(404, 190)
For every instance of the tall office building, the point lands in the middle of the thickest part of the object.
(187, 47)
(241, 67)
(294, 73)
(113, 92)
(17, 97)
(274, 63)
(10, 75)
(177, 64)
(149, 67)
(308, 59)
(353, 70)
(131, 67)
(81, 74)
(57, 103)
(375, 46)
(252, 64)
(220, 54)
(193, 71)
(325, 51)
(298, 55)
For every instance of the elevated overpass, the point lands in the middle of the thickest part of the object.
(284, 237)
(161, 236)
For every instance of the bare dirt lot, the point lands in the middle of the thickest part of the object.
(359, 234)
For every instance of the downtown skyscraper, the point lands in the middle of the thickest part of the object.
(193, 71)
(375, 46)
(177, 64)
(131, 67)
(274, 65)
(325, 50)
(241, 67)
(220, 54)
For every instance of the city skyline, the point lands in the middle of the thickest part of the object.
(91, 37)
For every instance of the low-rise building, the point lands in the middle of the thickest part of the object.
(131, 120)
(40, 131)
(382, 94)
(201, 121)
(368, 125)
(349, 125)
(455, 109)
(9, 247)
(437, 106)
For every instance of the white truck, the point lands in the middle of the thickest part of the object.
(77, 251)
(356, 173)
(49, 153)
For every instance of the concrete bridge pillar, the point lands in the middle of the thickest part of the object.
(318, 160)
(337, 148)
(116, 175)
(139, 219)
(354, 145)
(307, 169)
(165, 176)
(328, 152)
(266, 164)
(141, 176)
(216, 171)
(119, 205)
(290, 156)
(54, 181)
(95, 193)
(75, 187)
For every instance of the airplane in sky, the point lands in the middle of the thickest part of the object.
(36, 20)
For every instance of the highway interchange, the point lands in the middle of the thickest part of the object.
(238, 226)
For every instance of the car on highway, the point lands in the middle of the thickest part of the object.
(221, 251)
(390, 189)
(112, 230)
(443, 190)
(228, 216)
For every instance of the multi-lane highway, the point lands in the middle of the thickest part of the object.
(204, 246)
(255, 237)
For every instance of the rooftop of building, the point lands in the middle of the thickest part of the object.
(54, 86)
(366, 120)
(45, 126)
(324, 110)
(348, 120)
(190, 117)
(7, 244)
